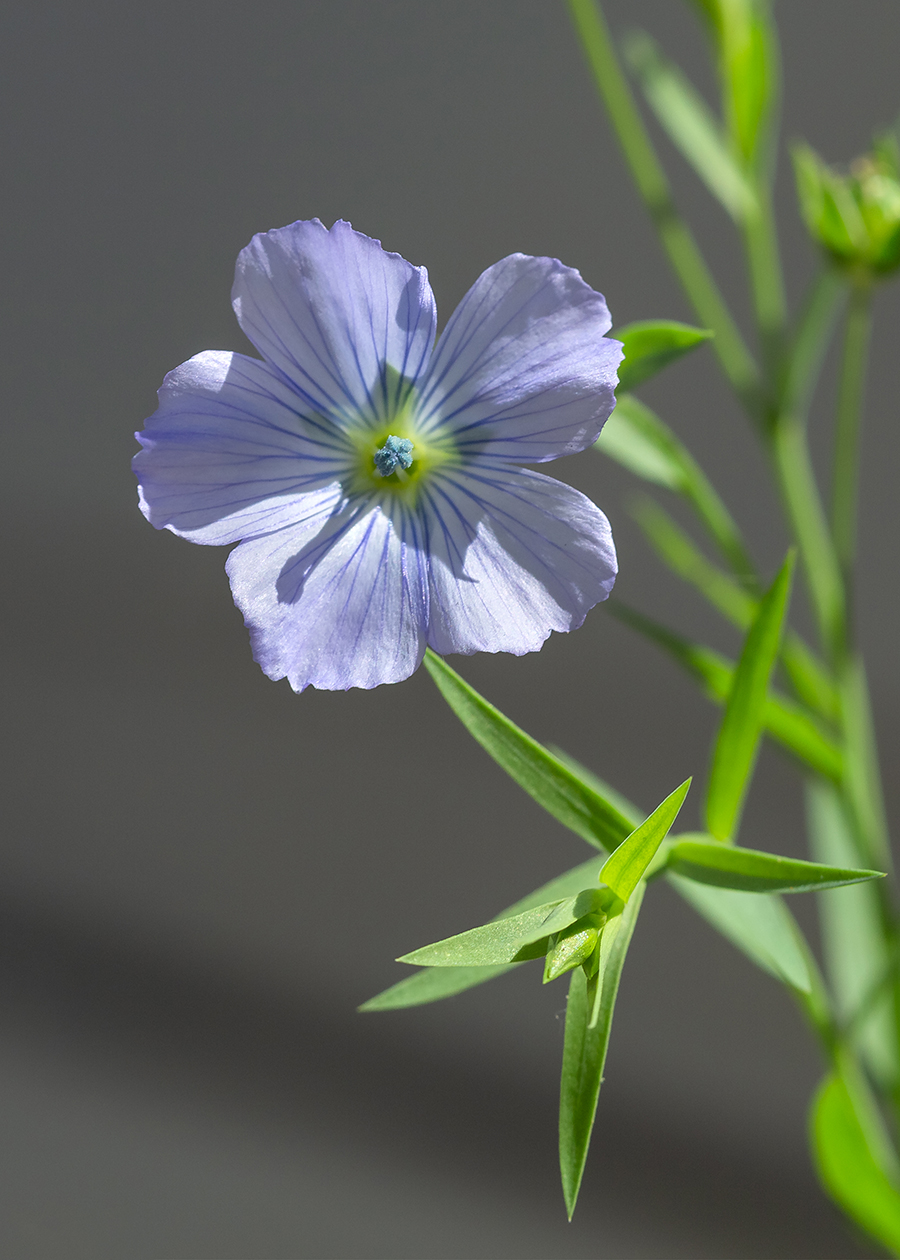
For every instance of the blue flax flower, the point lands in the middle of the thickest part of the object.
(374, 480)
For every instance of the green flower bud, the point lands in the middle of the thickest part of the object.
(854, 217)
(573, 946)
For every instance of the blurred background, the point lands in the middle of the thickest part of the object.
(201, 877)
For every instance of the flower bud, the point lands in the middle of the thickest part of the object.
(574, 946)
(854, 217)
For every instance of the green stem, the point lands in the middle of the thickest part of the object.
(684, 255)
(766, 280)
(849, 414)
(793, 465)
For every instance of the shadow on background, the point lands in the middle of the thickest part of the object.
(180, 1062)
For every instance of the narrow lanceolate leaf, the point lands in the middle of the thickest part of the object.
(726, 866)
(853, 1158)
(678, 551)
(761, 926)
(584, 1053)
(431, 984)
(786, 722)
(542, 775)
(623, 870)
(650, 345)
(691, 125)
(857, 954)
(745, 711)
(635, 437)
(509, 940)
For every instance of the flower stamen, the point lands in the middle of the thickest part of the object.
(394, 456)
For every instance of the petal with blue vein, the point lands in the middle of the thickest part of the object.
(523, 372)
(513, 555)
(330, 309)
(335, 602)
(229, 454)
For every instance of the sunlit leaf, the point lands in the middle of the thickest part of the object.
(691, 125)
(542, 775)
(650, 345)
(760, 925)
(709, 862)
(745, 710)
(431, 984)
(509, 940)
(853, 1157)
(584, 1054)
(623, 870)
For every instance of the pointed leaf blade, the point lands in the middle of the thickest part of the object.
(650, 345)
(543, 776)
(760, 926)
(624, 869)
(584, 1054)
(850, 1163)
(490, 944)
(431, 984)
(691, 125)
(745, 711)
(749, 870)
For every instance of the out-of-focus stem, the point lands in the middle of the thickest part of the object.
(678, 242)
(793, 466)
(845, 476)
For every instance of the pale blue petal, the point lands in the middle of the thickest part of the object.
(330, 309)
(335, 602)
(228, 454)
(513, 555)
(522, 371)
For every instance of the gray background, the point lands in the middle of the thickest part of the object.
(203, 874)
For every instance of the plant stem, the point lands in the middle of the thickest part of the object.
(766, 280)
(678, 242)
(793, 466)
(849, 414)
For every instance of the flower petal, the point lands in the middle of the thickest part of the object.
(513, 555)
(229, 455)
(330, 309)
(522, 371)
(337, 606)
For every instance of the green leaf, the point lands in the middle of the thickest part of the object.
(542, 775)
(748, 60)
(624, 869)
(510, 940)
(635, 437)
(676, 550)
(857, 956)
(691, 125)
(431, 984)
(679, 553)
(853, 1157)
(761, 926)
(710, 862)
(650, 345)
(786, 722)
(745, 711)
(584, 1054)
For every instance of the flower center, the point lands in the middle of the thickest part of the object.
(394, 456)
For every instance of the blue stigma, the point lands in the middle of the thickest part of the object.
(396, 453)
